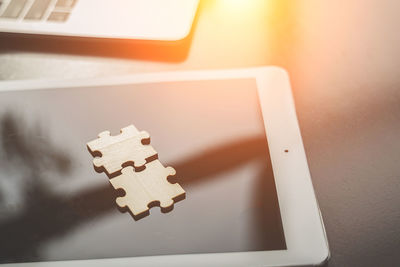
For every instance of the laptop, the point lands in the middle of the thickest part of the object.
(165, 20)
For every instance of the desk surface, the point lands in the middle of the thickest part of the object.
(344, 62)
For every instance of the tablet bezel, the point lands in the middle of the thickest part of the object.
(302, 223)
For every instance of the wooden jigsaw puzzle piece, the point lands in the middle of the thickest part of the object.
(105, 139)
(147, 187)
(131, 147)
(136, 198)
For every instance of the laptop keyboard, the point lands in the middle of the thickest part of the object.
(36, 10)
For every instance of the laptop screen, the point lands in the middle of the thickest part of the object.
(54, 206)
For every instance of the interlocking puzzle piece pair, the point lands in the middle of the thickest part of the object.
(132, 164)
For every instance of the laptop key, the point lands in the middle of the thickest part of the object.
(14, 9)
(65, 3)
(37, 10)
(58, 16)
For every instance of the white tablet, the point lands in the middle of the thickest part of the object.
(231, 135)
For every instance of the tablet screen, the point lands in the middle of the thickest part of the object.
(54, 206)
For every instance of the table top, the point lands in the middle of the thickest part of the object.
(344, 63)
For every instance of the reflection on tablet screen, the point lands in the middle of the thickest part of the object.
(54, 206)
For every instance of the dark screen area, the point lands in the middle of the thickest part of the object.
(54, 206)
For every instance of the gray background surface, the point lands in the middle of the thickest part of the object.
(344, 62)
